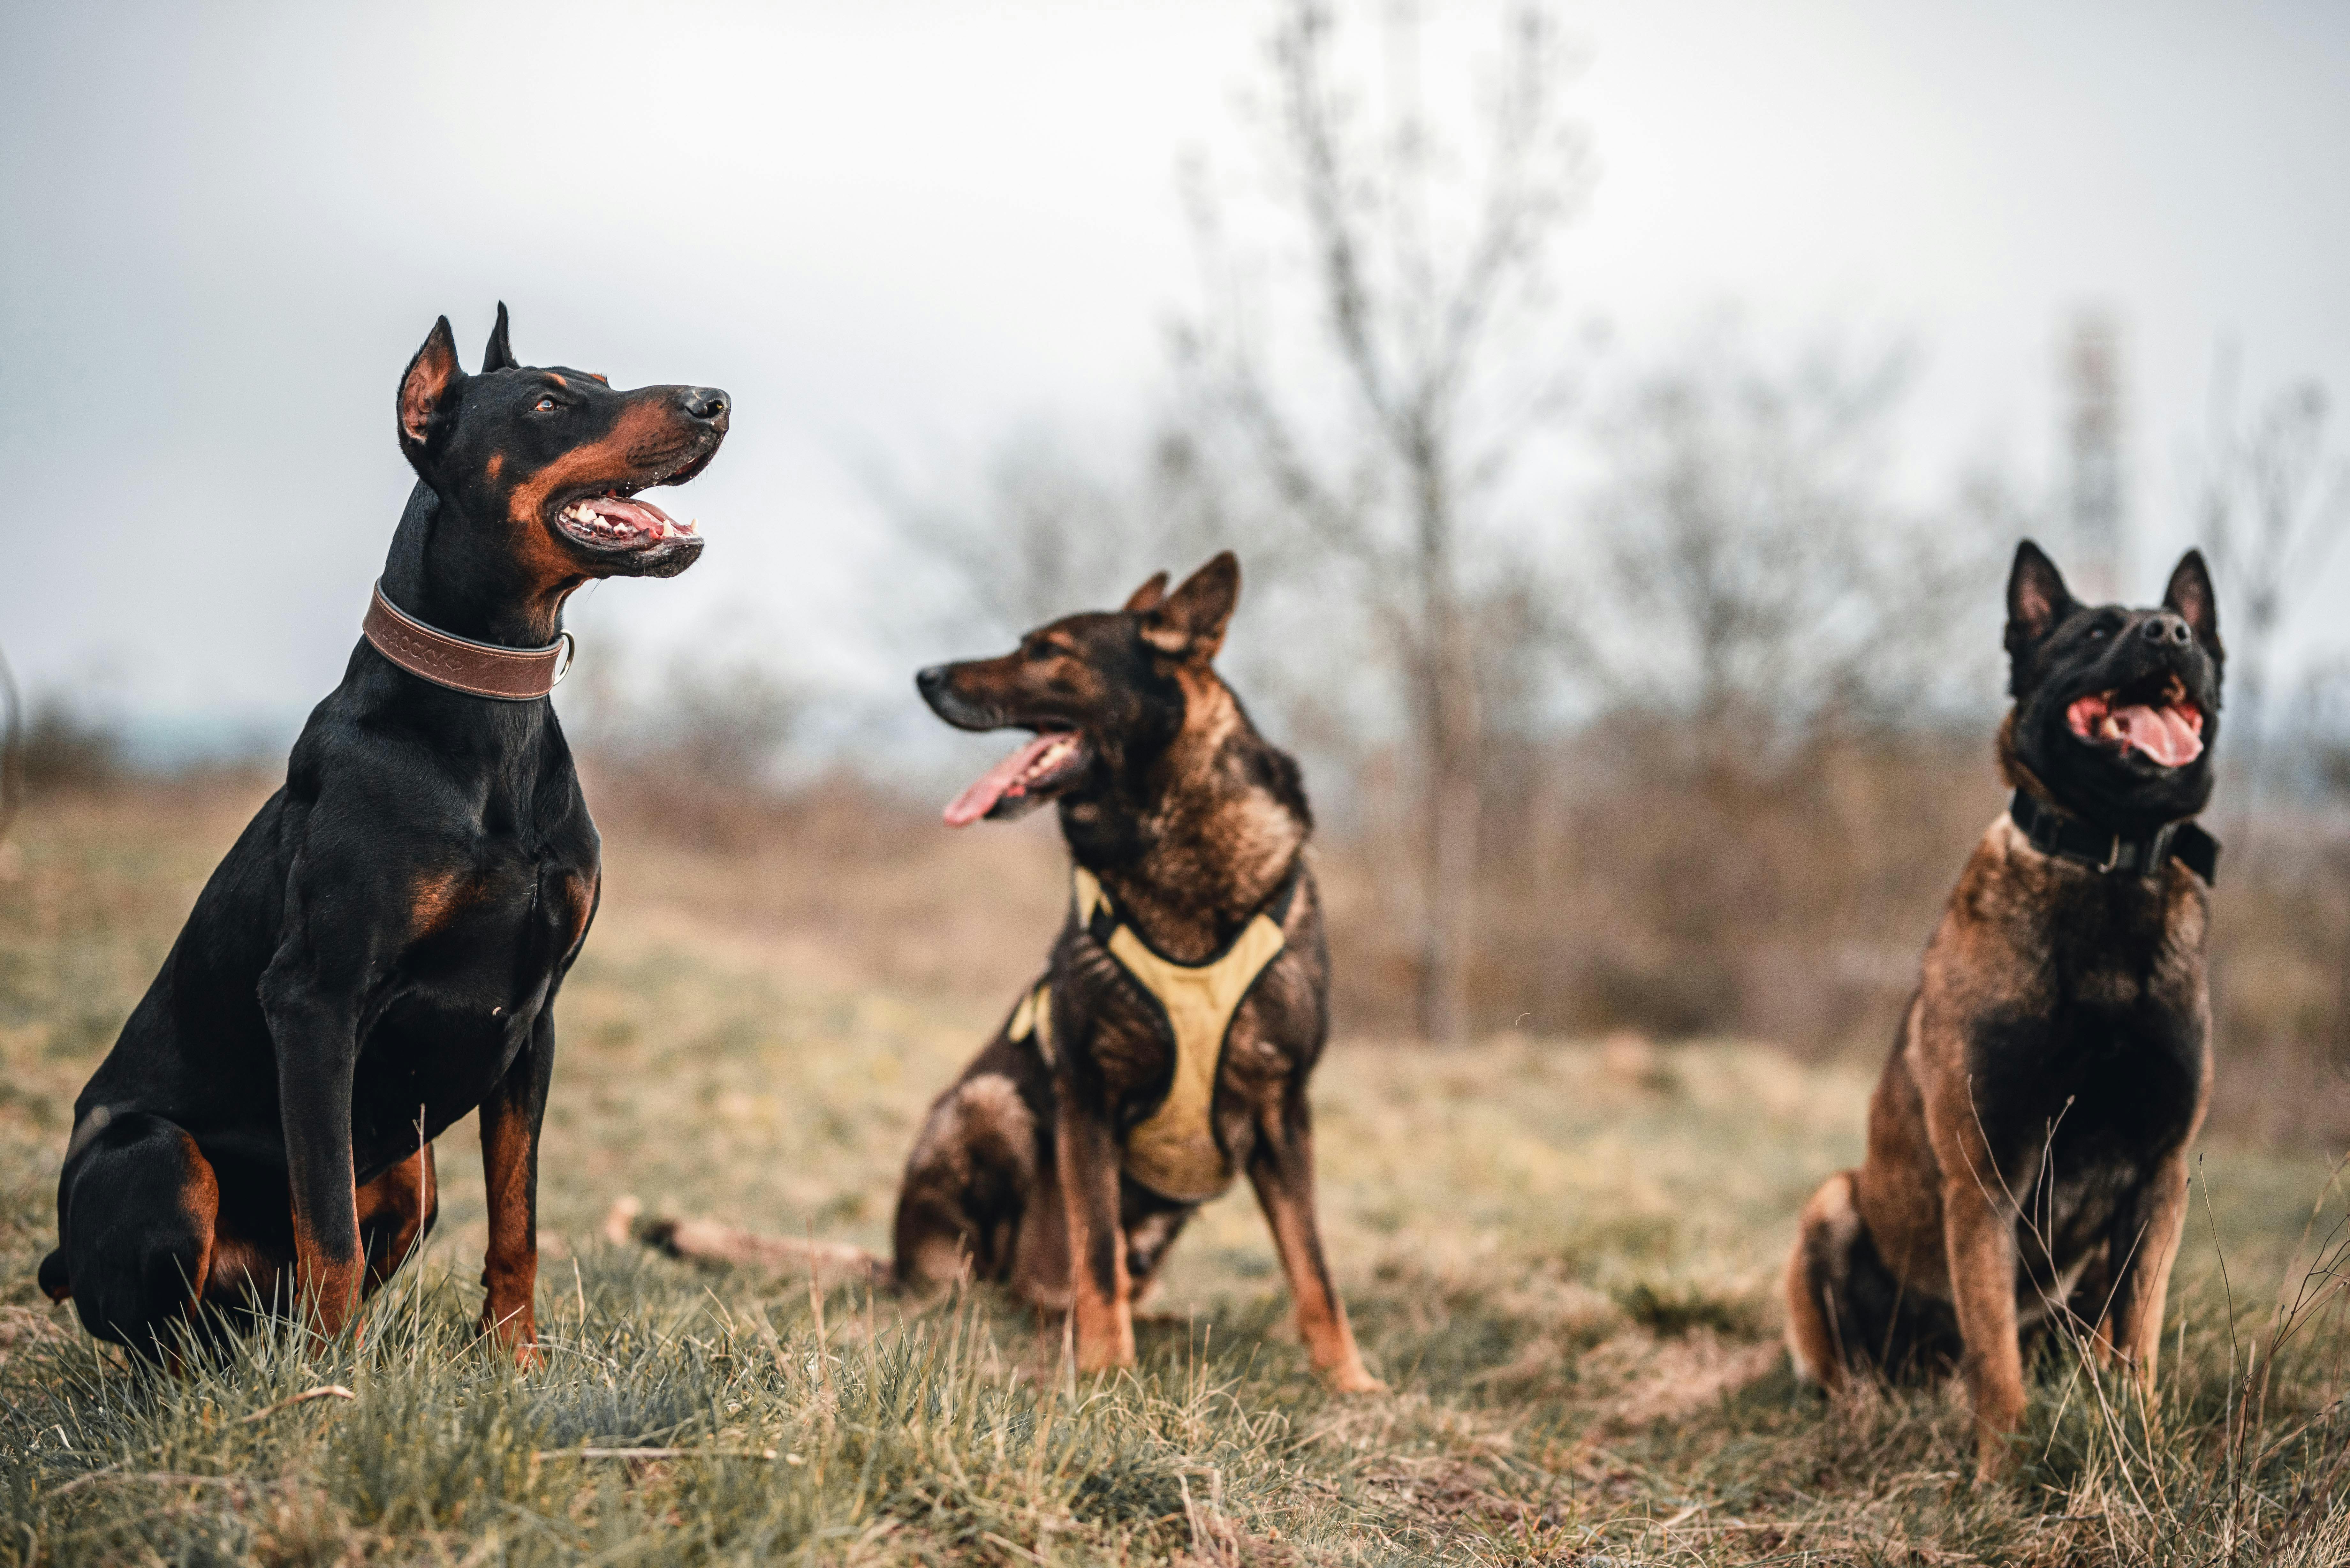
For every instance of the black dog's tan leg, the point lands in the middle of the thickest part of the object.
(2133, 1327)
(511, 1115)
(315, 1038)
(395, 1213)
(140, 1210)
(1102, 1297)
(1981, 1245)
(1280, 1169)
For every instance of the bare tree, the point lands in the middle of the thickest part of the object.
(2272, 506)
(1757, 578)
(1429, 283)
(1043, 532)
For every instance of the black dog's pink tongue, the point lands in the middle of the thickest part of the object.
(2162, 734)
(979, 796)
(641, 515)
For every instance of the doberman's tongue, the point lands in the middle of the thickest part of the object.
(642, 515)
(979, 796)
(2162, 734)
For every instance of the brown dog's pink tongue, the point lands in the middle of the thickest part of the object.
(2162, 734)
(979, 796)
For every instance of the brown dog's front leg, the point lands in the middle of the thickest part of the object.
(2148, 1245)
(1981, 1244)
(510, 1117)
(1280, 1169)
(1102, 1298)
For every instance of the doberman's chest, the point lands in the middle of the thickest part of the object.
(491, 936)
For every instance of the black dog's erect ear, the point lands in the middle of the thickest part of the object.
(2036, 598)
(429, 380)
(2191, 596)
(499, 355)
(1190, 621)
(1147, 595)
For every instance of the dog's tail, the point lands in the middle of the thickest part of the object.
(713, 1242)
(56, 1283)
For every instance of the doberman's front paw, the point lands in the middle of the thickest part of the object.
(1356, 1380)
(520, 1338)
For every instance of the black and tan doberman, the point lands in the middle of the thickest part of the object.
(379, 952)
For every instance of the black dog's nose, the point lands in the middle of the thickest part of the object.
(707, 403)
(2167, 627)
(930, 681)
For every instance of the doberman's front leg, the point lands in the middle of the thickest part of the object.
(510, 1117)
(1102, 1298)
(316, 1045)
(1280, 1169)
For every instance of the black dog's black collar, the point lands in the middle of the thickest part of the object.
(2051, 832)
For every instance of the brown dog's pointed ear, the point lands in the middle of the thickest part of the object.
(1147, 595)
(2037, 597)
(2190, 596)
(500, 353)
(1190, 621)
(431, 376)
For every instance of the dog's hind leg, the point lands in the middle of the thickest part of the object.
(1815, 1283)
(395, 1213)
(137, 1211)
(969, 1195)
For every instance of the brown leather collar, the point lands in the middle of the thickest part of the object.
(476, 669)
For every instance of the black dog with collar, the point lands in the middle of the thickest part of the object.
(2028, 1140)
(381, 951)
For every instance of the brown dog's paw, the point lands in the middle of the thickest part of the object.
(1356, 1380)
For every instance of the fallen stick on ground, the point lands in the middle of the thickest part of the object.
(658, 1454)
(711, 1242)
(324, 1391)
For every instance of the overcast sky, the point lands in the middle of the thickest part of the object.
(901, 231)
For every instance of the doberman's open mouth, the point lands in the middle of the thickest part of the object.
(1030, 776)
(2153, 716)
(616, 522)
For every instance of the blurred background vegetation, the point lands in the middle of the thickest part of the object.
(1642, 701)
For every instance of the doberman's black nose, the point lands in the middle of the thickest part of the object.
(708, 404)
(2167, 627)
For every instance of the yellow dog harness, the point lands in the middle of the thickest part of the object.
(1174, 1150)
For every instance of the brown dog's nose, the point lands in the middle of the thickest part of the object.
(2167, 627)
(707, 404)
(931, 681)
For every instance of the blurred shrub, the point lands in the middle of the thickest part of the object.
(66, 749)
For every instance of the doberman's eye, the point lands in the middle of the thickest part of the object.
(547, 405)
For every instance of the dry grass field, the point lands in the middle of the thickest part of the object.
(1562, 1255)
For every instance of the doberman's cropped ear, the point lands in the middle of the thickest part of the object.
(2190, 596)
(432, 375)
(500, 353)
(2036, 599)
(1147, 595)
(1190, 621)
